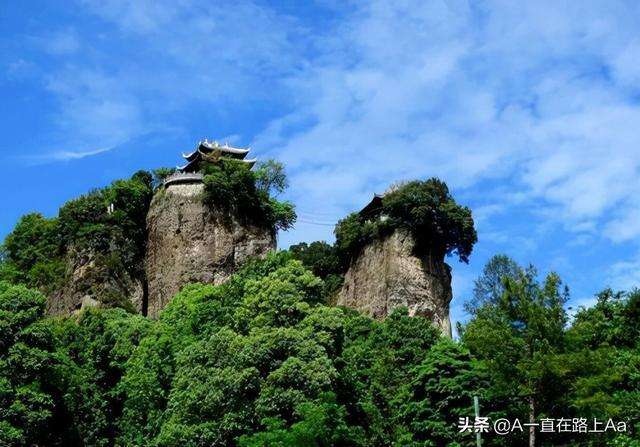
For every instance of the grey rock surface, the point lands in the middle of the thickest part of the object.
(387, 274)
(188, 242)
(91, 283)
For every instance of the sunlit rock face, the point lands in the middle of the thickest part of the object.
(189, 242)
(388, 274)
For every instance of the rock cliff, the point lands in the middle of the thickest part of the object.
(189, 242)
(387, 274)
(93, 281)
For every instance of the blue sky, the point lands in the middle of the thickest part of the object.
(530, 111)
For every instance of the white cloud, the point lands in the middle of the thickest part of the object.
(626, 227)
(625, 63)
(61, 155)
(625, 275)
(149, 62)
(520, 94)
(19, 69)
(75, 155)
(539, 98)
(95, 108)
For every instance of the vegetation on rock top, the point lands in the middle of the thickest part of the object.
(250, 194)
(426, 209)
(107, 223)
(108, 227)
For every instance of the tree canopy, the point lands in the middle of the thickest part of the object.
(426, 209)
(233, 187)
(542, 365)
(109, 222)
(259, 360)
(264, 359)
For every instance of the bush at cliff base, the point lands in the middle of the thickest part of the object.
(262, 361)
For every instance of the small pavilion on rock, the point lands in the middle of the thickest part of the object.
(210, 152)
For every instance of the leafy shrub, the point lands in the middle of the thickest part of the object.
(159, 176)
(319, 257)
(28, 367)
(424, 208)
(110, 220)
(109, 223)
(32, 253)
(323, 260)
(234, 188)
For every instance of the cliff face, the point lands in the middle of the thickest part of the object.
(92, 281)
(387, 275)
(188, 242)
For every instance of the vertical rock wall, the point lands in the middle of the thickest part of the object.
(387, 275)
(188, 242)
(91, 282)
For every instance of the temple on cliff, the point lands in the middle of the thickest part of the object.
(210, 152)
(372, 209)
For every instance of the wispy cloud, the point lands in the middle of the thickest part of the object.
(538, 99)
(71, 155)
(63, 155)
(625, 275)
(61, 43)
(529, 110)
(151, 62)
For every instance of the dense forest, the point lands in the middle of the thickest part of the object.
(265, 359)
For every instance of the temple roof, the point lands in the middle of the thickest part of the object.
(373, 207)
(208, 147)
(211, 151)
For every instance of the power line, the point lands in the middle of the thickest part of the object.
(315, 218)
(310, 222)
(317, 213)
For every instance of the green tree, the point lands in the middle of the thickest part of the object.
(28, 370)
(519, 339)
(32, 253)
(377, 362)
(322, 424)
(233, 187)
(319, 257)
(159, 175)
(255, 364)
(426, 209)
(603, 357)
(440, 392)
(271, 177)
(432, 215)
(97, 347)
(489, 287)
(323, 260)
